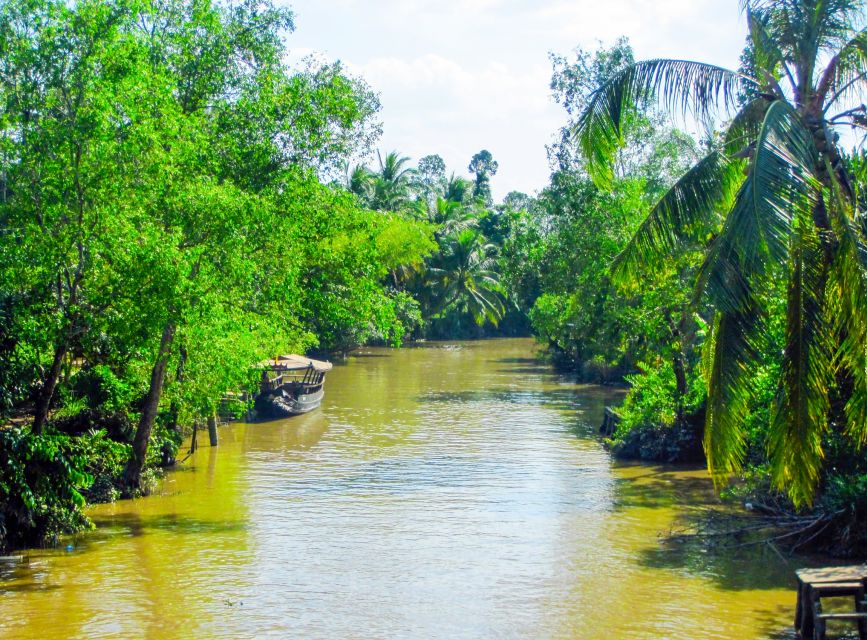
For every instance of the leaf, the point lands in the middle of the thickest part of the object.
(779, 186)
(684, 213)
(800, 415)
(744, 128)
(849, 282)
(683, 86)
(735, 350)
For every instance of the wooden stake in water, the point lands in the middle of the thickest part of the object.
(212, 429)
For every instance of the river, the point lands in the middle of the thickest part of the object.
(443, 491)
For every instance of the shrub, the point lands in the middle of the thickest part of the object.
(41, 482)
(649, 429)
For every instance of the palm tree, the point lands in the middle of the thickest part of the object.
(359, 180)
(464, 274)
(777, 200)
(459, 189)
(449, 216)
(392, 184)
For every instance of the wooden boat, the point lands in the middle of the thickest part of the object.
(290, 385)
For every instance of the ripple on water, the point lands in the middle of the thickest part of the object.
(439, 493)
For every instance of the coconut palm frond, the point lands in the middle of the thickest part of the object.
(681, 86)
(744, 128)
(685, 213)
(783, 183)
(848, 72)
(360, 180)
(779, 186)
(849, 278)
(800, 415)
(735, 350)
(464, 275)
(766, 51)
(724, 276)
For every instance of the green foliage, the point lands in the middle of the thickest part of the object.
(650, 428)
(102, 389)
(483, 166)
(793, 219)
(41, 480)
(165, 221)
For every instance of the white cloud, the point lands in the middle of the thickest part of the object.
(457, 76)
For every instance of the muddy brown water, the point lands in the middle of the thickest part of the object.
(444, 491)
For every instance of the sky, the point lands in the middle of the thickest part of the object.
(459, 76)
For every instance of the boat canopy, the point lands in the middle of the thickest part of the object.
(295, 363)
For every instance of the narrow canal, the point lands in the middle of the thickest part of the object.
(445, 491)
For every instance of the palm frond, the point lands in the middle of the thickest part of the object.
(679, 86)
(800, 415)
(783, 183)
(685, 213)
(848, 69)
(779, 186)
(744, 128)
(735, 351)
(768, 55)
(849, 282)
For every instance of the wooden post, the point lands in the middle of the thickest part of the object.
(212, 429)
(194, 440)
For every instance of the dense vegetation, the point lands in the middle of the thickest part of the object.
(178, 204)
(167, 220)
(734, 294)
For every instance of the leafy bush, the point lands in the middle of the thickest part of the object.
(41, 482)
(101, 389)
(649, 429)
(105, 460)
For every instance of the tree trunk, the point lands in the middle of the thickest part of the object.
(132, 474)
(174, 409)
(43, 403)
(681, 389)
(678, 364)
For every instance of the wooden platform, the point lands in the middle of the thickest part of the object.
(830, 582)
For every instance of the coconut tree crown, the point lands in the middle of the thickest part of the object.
(776, 199)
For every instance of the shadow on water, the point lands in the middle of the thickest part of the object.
(726, 562)
(744, 569)
(538, 370)
(23, 577)
(30, 586)
(772, 629)
(659, 489)
(135, 525)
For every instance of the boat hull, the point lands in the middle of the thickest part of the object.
(282, 403)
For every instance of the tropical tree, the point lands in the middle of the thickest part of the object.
(464, 274)
(483, 166)
(772, 202)
(458, 189)
(431, 176)
(359, 180)
(392, 184)
(449, 216)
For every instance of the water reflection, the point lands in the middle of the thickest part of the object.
(446, 491)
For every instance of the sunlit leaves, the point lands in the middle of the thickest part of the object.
(681, 86)
(791, 219)
(688, 212)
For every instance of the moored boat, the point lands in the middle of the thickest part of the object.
(291, 385)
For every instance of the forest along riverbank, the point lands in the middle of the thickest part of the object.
(448, 490)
